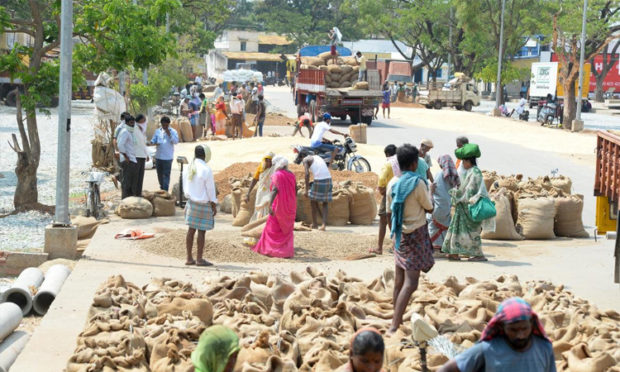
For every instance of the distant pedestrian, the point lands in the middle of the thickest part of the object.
(361, 62)
(460, 142)
(445, 180)
(201, 207)
(127, 144)
(320, 192)
(425, 147)
(194, 117)
(389, 171)
(259, 119)
(236, 109)
(164, 138)
(219, 91)
(513, 340)
(221, 116)
(184, 109)
(408, 202)
(385, 103)
(142, 155)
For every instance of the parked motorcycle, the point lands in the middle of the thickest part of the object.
(345, 157)
(547, 114)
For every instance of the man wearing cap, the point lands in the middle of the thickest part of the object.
(201, 207)
(316, 140)
(514, 340)
(236, 108)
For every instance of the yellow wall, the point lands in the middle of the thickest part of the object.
(586, 82)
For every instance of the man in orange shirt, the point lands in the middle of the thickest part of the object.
(304, 121)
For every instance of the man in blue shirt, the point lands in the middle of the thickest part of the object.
(514, 340)
(164, 138)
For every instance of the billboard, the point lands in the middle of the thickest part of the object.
(544, 79)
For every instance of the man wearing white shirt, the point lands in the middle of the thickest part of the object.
(201, 207)
(316, 141)
(236, 108)
(127, 144)
(140, 149)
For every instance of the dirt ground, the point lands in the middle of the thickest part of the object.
(227, 246)
(272, 119)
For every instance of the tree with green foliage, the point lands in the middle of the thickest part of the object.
(115, 34)
(509, 73)
(308, 22)
(481, 23)
(603, 25)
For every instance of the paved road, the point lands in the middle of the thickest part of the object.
(502, 157)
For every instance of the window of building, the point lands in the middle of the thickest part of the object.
(243, 46)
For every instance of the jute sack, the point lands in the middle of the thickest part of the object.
(363, 206)
(252, 225)
(175, 125)
(325, 55)
(236, 200)
(504, 224)
(361, 85)
(562, 182)
(338, 212)
(334, 69)
(255, 232)
(226, 204)
(349, 61)
(489, 178)
(164, 204)
(86, 226)
(568, 221)
(186, 129)
(346, 69)
(345, 84)
(135, 207)
(246, 210)
(536, 218)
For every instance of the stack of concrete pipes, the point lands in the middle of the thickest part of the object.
(31, 291)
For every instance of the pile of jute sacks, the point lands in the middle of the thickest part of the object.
(340, 74)
(157, 204)
(304, 322)
(541, 208)
(352, 202)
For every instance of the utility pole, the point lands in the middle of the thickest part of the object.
(61, 237)
(61, 217)
(498, 85)
(450, 46)
(577, 124)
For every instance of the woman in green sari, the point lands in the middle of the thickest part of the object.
(463, 237)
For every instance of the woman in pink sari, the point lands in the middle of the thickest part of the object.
(277, 237)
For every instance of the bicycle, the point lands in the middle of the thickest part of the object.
(94, 207)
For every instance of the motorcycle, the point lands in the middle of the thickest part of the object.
(345, 157)
(547, 114)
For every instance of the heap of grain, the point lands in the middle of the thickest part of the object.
(305, 323)
(540, 208)
(343, 73)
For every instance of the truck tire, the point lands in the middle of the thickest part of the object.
(437, 105)
(312, 110)
(468, 105)
(343, 117)
(458, 107)
(428, 106)
(355, 116)
(367, 120)
(11, 99)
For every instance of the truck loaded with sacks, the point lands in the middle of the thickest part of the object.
(327, 85)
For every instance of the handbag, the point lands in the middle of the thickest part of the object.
(482, 210)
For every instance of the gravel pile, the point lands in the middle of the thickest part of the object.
(23, 232)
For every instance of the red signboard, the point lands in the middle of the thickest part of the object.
(612, 80)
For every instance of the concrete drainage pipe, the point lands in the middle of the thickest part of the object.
(54, 279)
(11, 347)
(10, 317)
(20, 292)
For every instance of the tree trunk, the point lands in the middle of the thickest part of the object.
(570, 106)
(599, 97)
(26, 194)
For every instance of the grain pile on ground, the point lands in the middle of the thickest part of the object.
(305, 321)
(241, 170)
(228, 246)
(540, 208)
(272, 119)
(342, 74)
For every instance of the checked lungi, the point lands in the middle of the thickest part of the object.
(199, 216)
(321, 190)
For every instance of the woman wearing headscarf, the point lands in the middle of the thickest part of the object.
(277, 239)
(445, 180)
(216, 351)
(262, 180)
(201, 207)
(463, 237)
